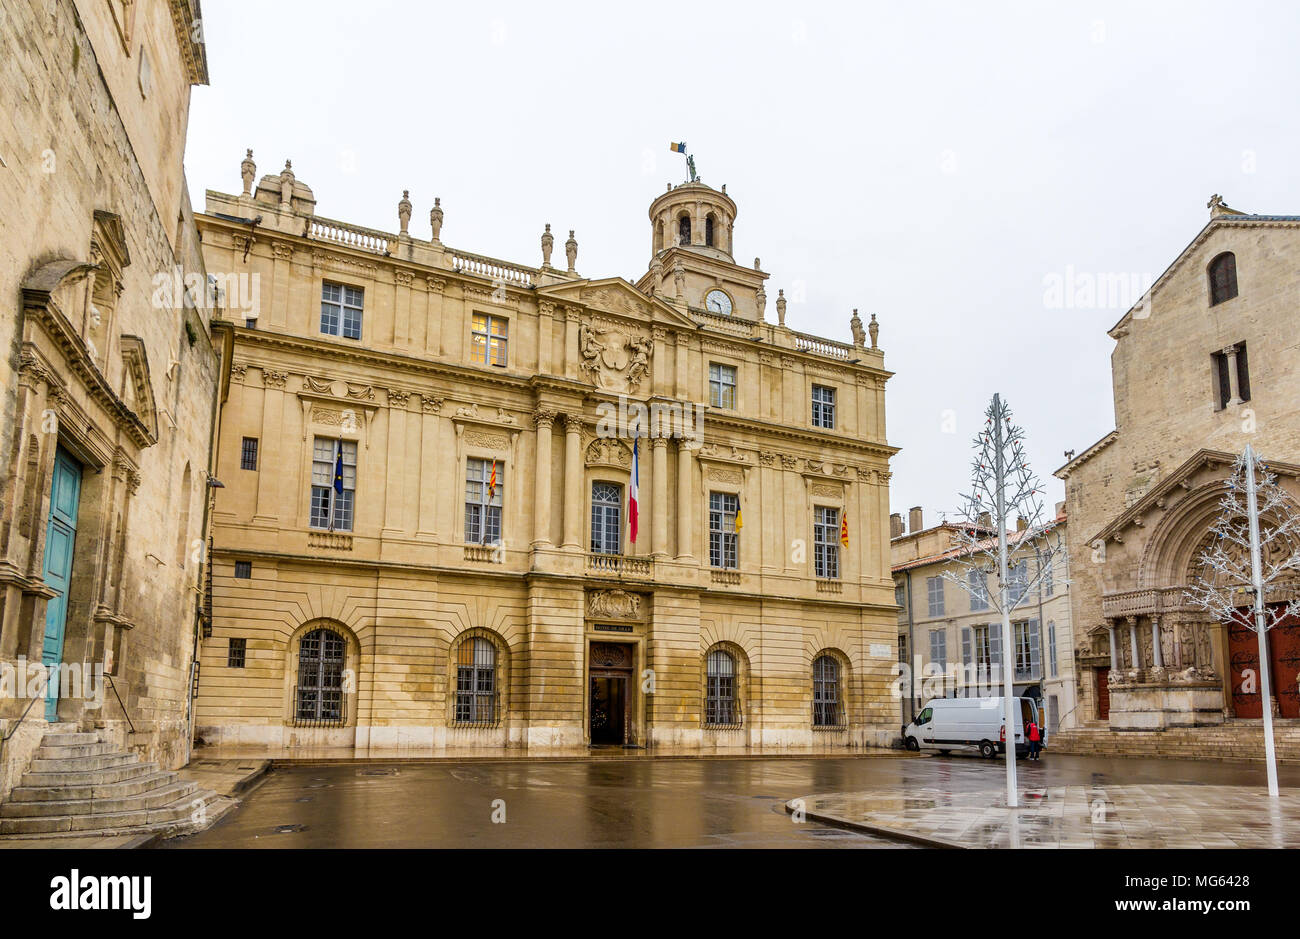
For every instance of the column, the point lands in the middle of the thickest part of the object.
(659, 498)
(683, 355)
(572, 481)
(1157, 657)
(545, 310)
(685, 504)
(1234, 386)
(1114, 648)
(542, 478)
(1133, 641)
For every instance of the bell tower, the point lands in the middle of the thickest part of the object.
(691, 262)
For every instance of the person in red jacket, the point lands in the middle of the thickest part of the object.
(1035, 739)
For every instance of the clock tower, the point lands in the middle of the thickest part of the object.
(691, 265)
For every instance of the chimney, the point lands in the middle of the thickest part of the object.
(1021, 523)
(914, 519)
(985, 520)
(895, 525)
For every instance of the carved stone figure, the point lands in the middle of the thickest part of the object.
(286, 186)
(859, 334)
(874, 328)
(679, 280)
(435, 219)
(571, 250)
(248, 170)
(548, 243)
(780, 307)
(760, 296)
(590, 348)
(639, 365)
(617, 603)
(404, 211)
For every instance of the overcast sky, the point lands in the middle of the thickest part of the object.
(937, 164)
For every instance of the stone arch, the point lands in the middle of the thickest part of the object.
(501, 674)
(1173, 543)
(741, 693)
(818, 675)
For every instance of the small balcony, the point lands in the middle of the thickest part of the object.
(620, 565)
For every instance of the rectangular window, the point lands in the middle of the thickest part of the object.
(340, 310)
(984, 652)
(1025, 635)
(1017, 582)
(236, 653)
(826, 542)
(1051, 647)
(900, 595)
(1049, 580)
(1243, 373)
(823, 407)
(979, 591)
(251, 322)
(724, 541)
(248, 454)
(606, 518)
(939, 647)
(243, 570)
(1053, 714)
(488, 339)
(332, 491)
(484, 487)
(934, 591)
(722, 385)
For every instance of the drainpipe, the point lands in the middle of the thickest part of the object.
(911, 650)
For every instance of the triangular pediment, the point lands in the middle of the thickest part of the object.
(137, 387)
(617, 297)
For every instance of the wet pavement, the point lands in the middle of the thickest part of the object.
(645, 803)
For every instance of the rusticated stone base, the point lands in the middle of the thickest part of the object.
(1158, 706)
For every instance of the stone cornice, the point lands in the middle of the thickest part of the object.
(818, 440)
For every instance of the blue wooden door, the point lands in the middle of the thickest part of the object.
(60, 538)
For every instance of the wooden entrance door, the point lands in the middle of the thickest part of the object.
(60, 539)
(609, 700)
(1284, 662)
(1103, 694)
(1243, 667)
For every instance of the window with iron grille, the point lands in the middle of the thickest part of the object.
(320, 676)
(722, 385)
(243, 569)
(340, 310)
(476, 668)
(248, 454)
(235, 653)
(826, 542)
(332, 491)
(724, 540)
(826, 692)
(934, 594)
(606, 518)
(720, 698)
(1223, 278)
(484, 488)
(979, 590)
(489, 336)
(823, 407)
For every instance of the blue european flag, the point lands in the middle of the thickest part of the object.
(338, 472)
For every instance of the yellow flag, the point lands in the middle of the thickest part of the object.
(739, 521)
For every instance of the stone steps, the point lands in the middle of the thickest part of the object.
(1244, 742)
(79, 785)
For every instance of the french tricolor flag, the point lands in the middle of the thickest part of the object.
(634, 490)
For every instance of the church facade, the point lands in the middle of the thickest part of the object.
(1201, 368)
(470, 503)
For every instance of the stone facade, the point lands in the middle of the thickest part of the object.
(423, 364)
(109, 377)
(1202, 366)
(945, 636)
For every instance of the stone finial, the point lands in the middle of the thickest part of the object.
(874, 328)
(855, 326)
(761, 296)
(780, 307)
(571, 251)
(548, 243)
(435, 219)
(404, 212)
(248, 170)
(758, 264)
(286, 186)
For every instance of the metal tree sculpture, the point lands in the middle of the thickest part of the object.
(1252, 559)
(1003, 488)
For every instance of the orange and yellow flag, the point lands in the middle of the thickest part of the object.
(844, 530)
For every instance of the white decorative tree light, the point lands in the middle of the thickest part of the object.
(1003, 488)
(1252, 559)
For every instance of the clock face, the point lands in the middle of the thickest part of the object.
(718, 302)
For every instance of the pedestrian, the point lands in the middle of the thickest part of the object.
(1034, 739)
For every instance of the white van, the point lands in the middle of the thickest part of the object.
(946, 724)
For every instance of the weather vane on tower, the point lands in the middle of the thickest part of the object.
(690, 160)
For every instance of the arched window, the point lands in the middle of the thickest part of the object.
(826, 692)
(684, 230)
(320, 678)
(720, 694)
(606, 518)
(476, 682)
(708, 230)
(1223, 278)
(659, 236)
